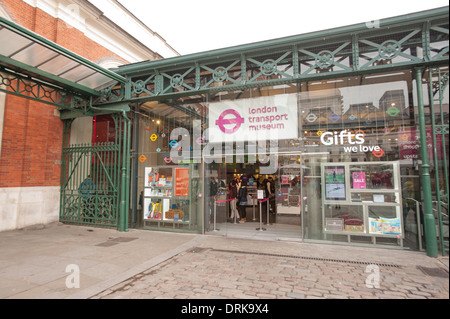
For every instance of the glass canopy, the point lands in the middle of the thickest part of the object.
(25, 52)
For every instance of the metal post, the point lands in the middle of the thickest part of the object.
(215, 205)
(428, 216)
(419, 226)
(260, 218)
(123, 215)
(235, 217)
(254, 215)
(135, 166)
(127, 190)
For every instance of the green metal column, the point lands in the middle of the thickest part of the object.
(123, 214)
(135, 166)
(429, 221)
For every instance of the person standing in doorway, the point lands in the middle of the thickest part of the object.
(238, 183)
(213, 190)
(242, 197)
(270, 191)
(233, 195)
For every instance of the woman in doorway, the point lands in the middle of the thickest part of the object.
(242, 198)
(238, 183)
(232, 195)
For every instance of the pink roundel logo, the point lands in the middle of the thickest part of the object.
(236, 120)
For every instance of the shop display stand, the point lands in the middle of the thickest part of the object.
(164, 194)
(363, 198)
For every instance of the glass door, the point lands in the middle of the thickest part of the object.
(311, 195)
(216, 199)
(286, 203)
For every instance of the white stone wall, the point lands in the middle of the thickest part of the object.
(28, 206)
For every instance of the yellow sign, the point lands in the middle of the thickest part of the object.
(142, 158)
(154, 137)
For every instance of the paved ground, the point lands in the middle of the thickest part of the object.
(147, 265)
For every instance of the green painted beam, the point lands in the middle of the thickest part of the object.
(94, 111)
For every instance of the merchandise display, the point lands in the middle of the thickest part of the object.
(163, 194)
(362, 199)
(175, 214)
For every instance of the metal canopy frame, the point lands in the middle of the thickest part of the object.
(403, 42)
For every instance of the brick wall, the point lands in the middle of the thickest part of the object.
(32, 133)
(31, 147)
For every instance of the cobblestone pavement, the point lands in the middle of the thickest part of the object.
(211, 273)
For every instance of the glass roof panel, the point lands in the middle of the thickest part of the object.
(58, 65)
(96, 81)
(28, 52)
(11, 43)
(34, 55)
(78, 73)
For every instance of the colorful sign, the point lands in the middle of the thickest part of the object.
(181, 182)
(335, 183)
(254, 119)
(409, 144)
(236, 120)
(359, 180)
(142, 158)
(350, 142)
(385, 226)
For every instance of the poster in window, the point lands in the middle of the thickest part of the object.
(335, 183)
(182, 182)
(385, 226)
(359, 180)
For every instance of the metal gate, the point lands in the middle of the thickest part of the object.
(91, 180)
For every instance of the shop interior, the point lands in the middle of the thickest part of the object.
(273, 203)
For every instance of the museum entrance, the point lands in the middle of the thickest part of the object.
(246, 201)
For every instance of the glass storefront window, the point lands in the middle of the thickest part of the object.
(340, 157)
(169, 179)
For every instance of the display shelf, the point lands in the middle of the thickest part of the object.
(365, 208)
(160, 189)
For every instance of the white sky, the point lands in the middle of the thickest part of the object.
(191, 26)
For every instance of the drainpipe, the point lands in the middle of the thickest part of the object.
(429, 220)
